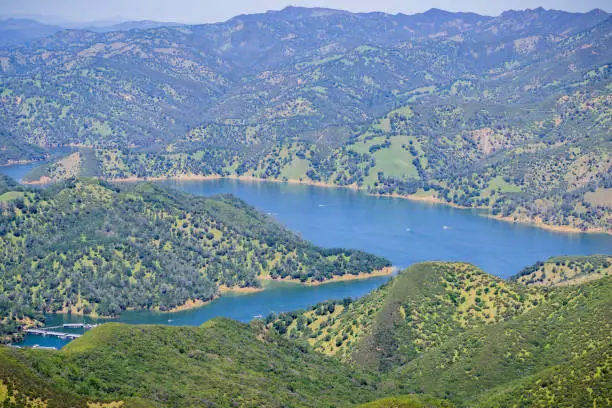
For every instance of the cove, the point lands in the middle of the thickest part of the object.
(403, 231)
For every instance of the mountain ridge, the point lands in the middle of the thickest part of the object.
(260, 96)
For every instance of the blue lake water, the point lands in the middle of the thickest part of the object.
(403, 231)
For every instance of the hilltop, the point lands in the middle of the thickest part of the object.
(509, 113)
(89, 247)
(415, 312)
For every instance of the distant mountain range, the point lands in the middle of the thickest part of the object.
(15, 31)
(509, 113)
(19, 30)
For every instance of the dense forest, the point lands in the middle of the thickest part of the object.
(437, 335)
(508, 113)
(89, 247)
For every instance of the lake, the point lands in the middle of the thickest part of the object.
(403, 231)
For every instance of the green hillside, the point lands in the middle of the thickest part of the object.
(93, 248)
(562, 385)
(408, 401)
(556, 353)
(222, 363)
(415, 312)
(451, 331)
(565, 270)
(508, 113)
(14, 150)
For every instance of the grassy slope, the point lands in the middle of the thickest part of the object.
(415, 312)
(571, 330)
(566, 270)
(221, 363)
(453, 331)
(408, 401)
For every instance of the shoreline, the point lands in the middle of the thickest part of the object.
(424, 199)
(18, 162)
(555, 228)
(224, 290)
(39, 182)
(191, 304)
(389, 270)
(534, 223)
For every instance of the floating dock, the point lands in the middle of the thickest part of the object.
(61, 335)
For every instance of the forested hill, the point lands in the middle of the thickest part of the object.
(93, 248)
(508, 113)
(222, 363)
(452, 331)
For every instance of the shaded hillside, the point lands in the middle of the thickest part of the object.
(13, 150)
(222, 363)
(557, 354)
(90, 247)
(562, 385)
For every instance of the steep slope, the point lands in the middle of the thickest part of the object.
(558, 354)
(415, 312)
(13, 150)
(562, 385)
(90, 247)
(454, 332)
(221, 363)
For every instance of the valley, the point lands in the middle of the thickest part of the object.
(306, 207)
(475, 111)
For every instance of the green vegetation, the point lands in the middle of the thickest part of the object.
(487, 112)
(14, 150)
(565, 270)
(546, 347)
(562, 385)
(222, 363)
(89, 247)
(414, 313)
(510, 114)
(454, 332)
(408, 401)
(527, 352)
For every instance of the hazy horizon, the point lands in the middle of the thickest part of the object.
(194, 12)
